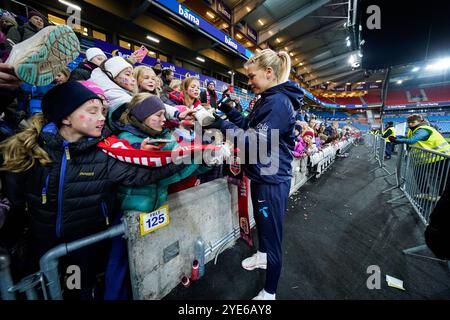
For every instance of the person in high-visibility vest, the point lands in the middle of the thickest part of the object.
(422, 135)
(437, 233)
(389, 132)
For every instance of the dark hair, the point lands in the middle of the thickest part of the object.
(108, 74)
(164, 73)
(414, 117)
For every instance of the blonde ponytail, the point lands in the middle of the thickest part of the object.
(280, 63)
(21, 151)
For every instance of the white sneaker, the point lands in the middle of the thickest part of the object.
(258, 260)
(40, 58)
(263, 295)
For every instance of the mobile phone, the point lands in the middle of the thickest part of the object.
(158, 141)
(141, 53)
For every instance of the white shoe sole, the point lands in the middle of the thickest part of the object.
(258, 266)
(55, 50)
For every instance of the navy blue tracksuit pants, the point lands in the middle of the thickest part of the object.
(389, 149)
(269, 206)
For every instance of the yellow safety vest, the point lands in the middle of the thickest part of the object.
(393, 134)
(435, 142)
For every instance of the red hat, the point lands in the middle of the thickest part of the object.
(309, 133)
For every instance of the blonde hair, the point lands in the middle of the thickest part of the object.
(279, 62)
(187, 82)
(139, 72)
(175, 83)
(65, 71)
(21, 151)
(137, 98)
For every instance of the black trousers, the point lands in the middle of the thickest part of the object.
(437, 233)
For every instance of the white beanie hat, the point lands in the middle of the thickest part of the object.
(93, 52)
(115, 65)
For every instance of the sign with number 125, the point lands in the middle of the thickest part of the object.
(154, 220)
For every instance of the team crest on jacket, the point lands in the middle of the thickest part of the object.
(235, 166)
(244, 225)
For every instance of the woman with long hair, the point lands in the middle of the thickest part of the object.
(271, 117)
(67, 182)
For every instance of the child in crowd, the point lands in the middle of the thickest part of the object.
(188, 100)
(142, 122)
(146, 80)
(62, 76)
(311, 147)
(299, 143)
(175, 85)
(94, 58)
(100, 93)
(115, 77)
(67, 182)
(166, 78)
(190, 93)
(305, 127)
(174, 94)
(159, 84)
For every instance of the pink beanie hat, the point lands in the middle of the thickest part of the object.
(95, 88)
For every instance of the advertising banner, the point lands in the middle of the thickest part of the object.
(198, 21)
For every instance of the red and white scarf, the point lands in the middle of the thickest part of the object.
(121, 150)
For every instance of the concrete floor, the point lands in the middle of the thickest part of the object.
(335, 228)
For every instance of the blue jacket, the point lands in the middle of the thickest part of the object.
(419, 135)
(274, 110)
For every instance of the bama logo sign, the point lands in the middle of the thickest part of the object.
(186, 13)
(231, 43)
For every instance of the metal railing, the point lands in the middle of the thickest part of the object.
(377, 147)
(423, 179)
(421, 175)
(47, 278)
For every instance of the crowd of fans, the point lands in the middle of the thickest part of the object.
(312, 136)
(138, 103)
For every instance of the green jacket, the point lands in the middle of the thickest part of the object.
(151, 197)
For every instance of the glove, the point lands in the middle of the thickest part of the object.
(225, 104)
(392, 139)
(216, 124)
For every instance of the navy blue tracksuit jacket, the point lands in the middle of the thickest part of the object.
(269, 187)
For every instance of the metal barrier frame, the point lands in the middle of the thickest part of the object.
(412, 178)
(379, 148)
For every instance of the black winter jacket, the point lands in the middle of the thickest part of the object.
(74, 196)
(82, 72)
